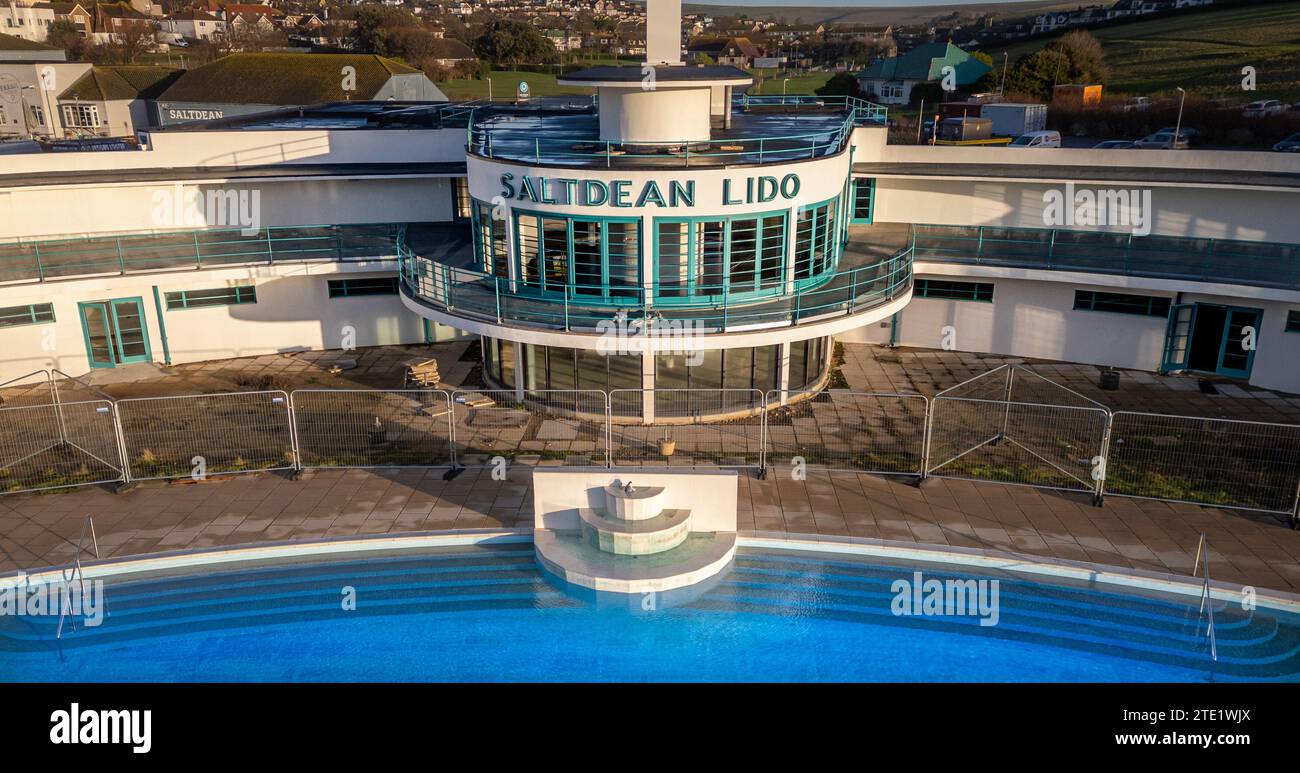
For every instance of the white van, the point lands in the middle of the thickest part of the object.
(1045, 139)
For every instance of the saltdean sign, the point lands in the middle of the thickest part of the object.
(651, 193)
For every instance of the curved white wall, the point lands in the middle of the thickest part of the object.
(654, 115)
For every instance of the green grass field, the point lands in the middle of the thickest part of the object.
(769, 82)
(1203, 52)
(504, 84)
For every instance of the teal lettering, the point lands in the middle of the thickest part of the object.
(650, 194)
(677, 193)
(790, 186)
(507, 189)
(767, 187)
(594, 193)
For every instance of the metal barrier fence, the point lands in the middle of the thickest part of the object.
(1239, 464)
(850, 431)
(372, 428)
(687, 427)
(999, 428)
(564, 427)
(58, 445)
(175, 437)
(1009, 425)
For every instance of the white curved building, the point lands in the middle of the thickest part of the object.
(671, 233)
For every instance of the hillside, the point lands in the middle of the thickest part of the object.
(1201, 51)
(881, 15)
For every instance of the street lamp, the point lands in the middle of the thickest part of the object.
(785, 83)
(1178, 126)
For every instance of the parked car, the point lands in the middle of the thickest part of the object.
(1043, 139)
(1137, 103)
(1289, 145)
(1261, 108)
(1193, 136)
(1161, 141)
(1113, 145)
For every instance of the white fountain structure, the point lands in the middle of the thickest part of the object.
(634, 531)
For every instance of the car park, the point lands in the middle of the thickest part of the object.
(1161, 141)
(1262, 108)
(1289, 145)
(1043, 139)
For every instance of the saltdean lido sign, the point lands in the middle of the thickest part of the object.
(651, 193)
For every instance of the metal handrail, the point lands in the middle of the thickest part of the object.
(87, 524)
(1207, 603)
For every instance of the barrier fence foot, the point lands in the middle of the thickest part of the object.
(1098, 500)
(297, 475)
(453, 473)
(761, 474)
(124, 486)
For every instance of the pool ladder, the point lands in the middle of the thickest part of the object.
(1207, 603)
(73, 570)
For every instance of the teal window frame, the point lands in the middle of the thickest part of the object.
(854, 200)
(1136, 305)
(1292, 321)
(603, 291)
(28, 314)
(954, 291)
(823, 229)
(181, 300)
(344, 288)
(713, 294)
(492, 254)
(116, 346)
(462, 204)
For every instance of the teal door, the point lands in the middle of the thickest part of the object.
(1178, 337)
(115, 332)
(1241, 330)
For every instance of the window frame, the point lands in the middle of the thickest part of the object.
(33, 310)
(921, 289)
(172, 297)
(345, 284)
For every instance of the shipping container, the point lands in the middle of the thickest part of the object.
(1012, 119)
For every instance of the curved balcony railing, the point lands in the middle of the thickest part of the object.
(475, 295)
(498, 142)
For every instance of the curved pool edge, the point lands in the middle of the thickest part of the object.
(989, 559)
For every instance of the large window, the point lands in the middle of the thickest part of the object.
(491, 248)
(1292, 321)
(81, 116)
(816, 243)
(221, 296)
(461, 203)
(1120, 303)
(807, 363)
(34, 314)
(592, 257)
(864, 193)
(353, 288)
(551, 367)
(755, 368)
(719, 256)
(954, 291)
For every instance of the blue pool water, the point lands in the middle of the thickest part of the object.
(486, 613)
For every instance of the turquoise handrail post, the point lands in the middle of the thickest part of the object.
(537, 149)
(566, 310)
(198, 253)
(40, 269)
(270, 247)
(497, 287)
(121, 262)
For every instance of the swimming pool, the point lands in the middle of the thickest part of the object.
(485, 612)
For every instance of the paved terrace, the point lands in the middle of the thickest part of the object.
(40, 530)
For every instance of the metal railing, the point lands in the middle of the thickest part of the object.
(1007, 426)
(45, 259)
(760, 149)
(1263, 264)
(73, 572)
(479, 295)
(1207, 602)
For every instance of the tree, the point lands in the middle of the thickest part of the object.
(375, 27)
(1085, 56)
(65, 35)
(841, 84)
(514, 42)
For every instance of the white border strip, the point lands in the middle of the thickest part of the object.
(986, 559)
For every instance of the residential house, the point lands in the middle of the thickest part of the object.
(115, 19)
(738, 52)
(892, 80)
(29, 21)
(195, 24)
(77, 14)
(113, 101)
(30, 75)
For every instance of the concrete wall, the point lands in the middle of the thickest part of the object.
(75, 210)
(709, 495)
(293, 311)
